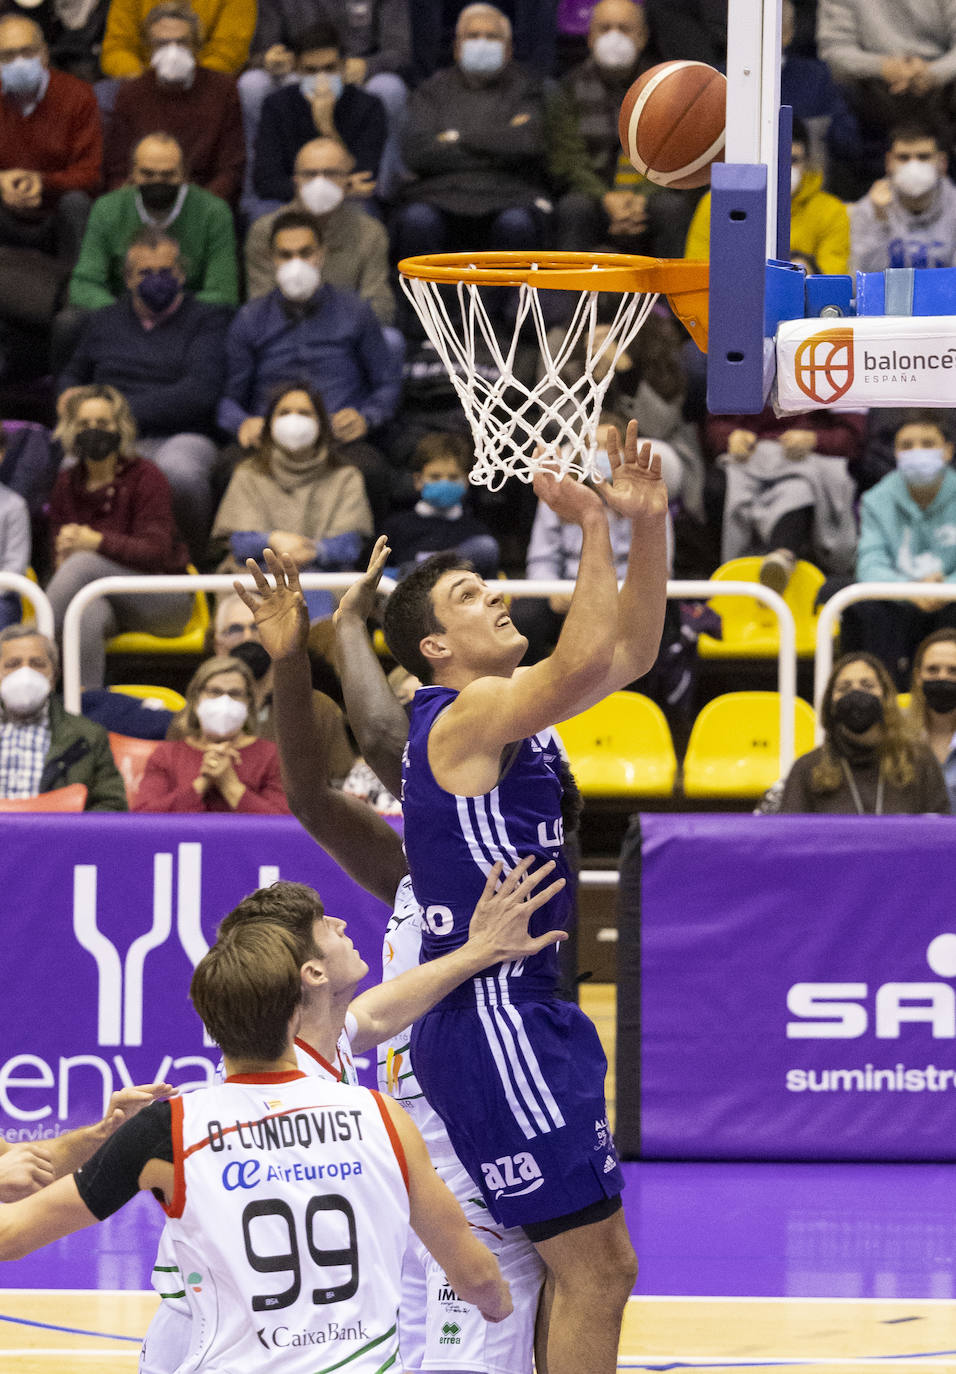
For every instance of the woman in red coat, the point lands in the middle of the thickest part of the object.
(219, 765)
(110, 514)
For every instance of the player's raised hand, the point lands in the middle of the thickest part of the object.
(280, 611)
(570, 500)
(126, 1102)
(636, 489)
(500, 920)
(359, 598)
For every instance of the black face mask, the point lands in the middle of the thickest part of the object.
(159, 196)
(255, 658)
(940, 694)
(857, 711)
(93, 445)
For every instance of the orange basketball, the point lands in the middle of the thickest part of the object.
(672, 123)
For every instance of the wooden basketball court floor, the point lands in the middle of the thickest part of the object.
(833, 1269)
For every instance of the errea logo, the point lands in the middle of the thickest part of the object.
(845, 1011)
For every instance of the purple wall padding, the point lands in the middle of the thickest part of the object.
(796, 989)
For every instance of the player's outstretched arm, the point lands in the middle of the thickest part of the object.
(348, 829)
(438, 1221)
(492, 712)
(43, 1218)
(67, 1152)
(24, 1169)
(498, 931)
(637, 491)
(377, 719)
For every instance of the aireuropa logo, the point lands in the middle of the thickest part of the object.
(120, 982)
(823, 365)
(845, 1011)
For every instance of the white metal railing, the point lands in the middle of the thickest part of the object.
(152, 584)
(833, 609)
(42, 610)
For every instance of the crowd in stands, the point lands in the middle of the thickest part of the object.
(205, 351)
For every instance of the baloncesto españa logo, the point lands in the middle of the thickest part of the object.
(828, 363)
(823, 365)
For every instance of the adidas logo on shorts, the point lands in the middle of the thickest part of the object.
(608, 1164)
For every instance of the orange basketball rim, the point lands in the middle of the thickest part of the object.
(683, 281)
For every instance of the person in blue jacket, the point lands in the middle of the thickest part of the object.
(907, 534)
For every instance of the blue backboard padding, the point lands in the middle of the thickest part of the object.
(784, 142)
(828, 290)
(870, 293)
(738, 236)
(784, 297)
(934, 291)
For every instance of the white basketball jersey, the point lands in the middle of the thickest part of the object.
(289, 1221)
(401, 951)
(343, 1070)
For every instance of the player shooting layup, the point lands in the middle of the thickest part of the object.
(516, 1075)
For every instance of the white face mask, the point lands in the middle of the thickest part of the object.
(295, 432)
(482, 56)
(221, 716)
(796, 176)
(24, 691)
(920, 466)
(320, 195)
(915, 179)
(173, 62)
(615, 50)
(298, 279)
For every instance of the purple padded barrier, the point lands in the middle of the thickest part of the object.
(796, 988)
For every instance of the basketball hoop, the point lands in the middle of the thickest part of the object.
(520, 427)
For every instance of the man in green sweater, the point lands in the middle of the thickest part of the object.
(157, 194)
(42, 746)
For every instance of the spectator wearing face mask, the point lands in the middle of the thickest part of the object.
(908, 217)
(607, 202)
(819, 224)
(110, 514)
(318, 103)
(907, 534)
(932, 711)
(175, 95)
(475, 141)
(42, 746)
(50, 164)
(219, 764)
(226, 26)
(159, 195)
(442, 518)
(307, 328)
(165, 351)
(295, 496)
(356, 245)
(869, 764)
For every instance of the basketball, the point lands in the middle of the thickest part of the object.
(671, 124)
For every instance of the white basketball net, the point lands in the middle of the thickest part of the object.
(517, 428)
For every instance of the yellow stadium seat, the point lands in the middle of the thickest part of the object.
(734, 748)
(192, 640)
(621, 748)
(750, 628)
(173, 701)
(27, 616)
